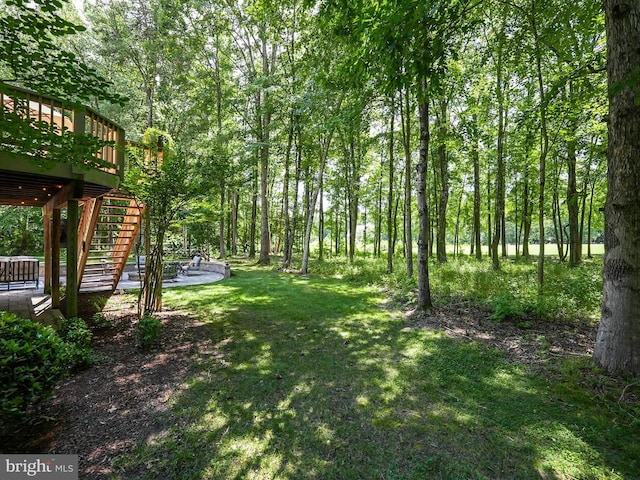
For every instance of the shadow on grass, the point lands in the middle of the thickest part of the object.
(315, 380)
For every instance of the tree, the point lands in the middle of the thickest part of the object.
(32, 56)
(617, 344)
(159, 178)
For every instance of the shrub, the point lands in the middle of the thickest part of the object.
(75, 333)
(33, 358)
(506, 307)
(148, 331)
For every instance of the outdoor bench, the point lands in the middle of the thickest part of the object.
(19, 269)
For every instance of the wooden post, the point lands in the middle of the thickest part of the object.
(55, 258)
(71, 309)
(120, 153)
(46, 218)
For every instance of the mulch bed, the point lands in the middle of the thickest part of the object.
(106, 410)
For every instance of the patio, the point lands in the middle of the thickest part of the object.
(33, 303)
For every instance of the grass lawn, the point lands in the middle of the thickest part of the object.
(318, 378)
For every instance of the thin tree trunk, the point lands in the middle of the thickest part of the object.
(223, 209)
(390, 191)
(573, 198)
(296, 183)
(254, 214)
(377, 248)
(544, 148)
(476, 190)
(527, 211)
(500, 168)
(234, 222)
(286, 259)
(593, 186)
(321, 222)
(324, 152)
(441, 247)
(457, 232)
(264, 122)
(424, 291)
(405, 115)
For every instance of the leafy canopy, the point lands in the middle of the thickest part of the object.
(32, 56)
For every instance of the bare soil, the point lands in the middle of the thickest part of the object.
(106, 410)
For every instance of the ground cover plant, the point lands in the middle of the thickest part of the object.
(319, 377)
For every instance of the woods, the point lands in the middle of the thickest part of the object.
(410, 201)
(330, 128)
(292, 114)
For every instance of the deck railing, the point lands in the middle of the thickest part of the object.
(55, 114)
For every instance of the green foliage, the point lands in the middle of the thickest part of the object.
(148, 331)
(30, 50)
(31, 56)
(21, 231)
(570, 294)
(33, 358)
(505, 307)
(76, 333)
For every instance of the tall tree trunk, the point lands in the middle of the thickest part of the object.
(390, 191)
(527, 215)
(353, 192)
(286, 259)
(235, 200)
(476, 189)
(544, 148)
(489, 217)
(405, 115)
(321, 222)
(573, 199)
(500, 169)
(593, 187)
(264, 122)
(254, 214)
(377, 245)
(441, 247)
(457, 231)
(223, 209)
(296, 183)
(336, 225)
(617, 347)
(424, 290)
(324, 152)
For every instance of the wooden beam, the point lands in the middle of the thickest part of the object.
(73, 190)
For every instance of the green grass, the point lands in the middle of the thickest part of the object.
(312, 379)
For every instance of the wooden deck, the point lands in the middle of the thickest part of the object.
(23, 182)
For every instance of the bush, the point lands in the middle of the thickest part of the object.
(75, 333)
(148, 331)
(33, 358)
(506, 307)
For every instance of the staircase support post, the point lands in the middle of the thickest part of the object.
(46, 218)
(71, 295)
(56, 230)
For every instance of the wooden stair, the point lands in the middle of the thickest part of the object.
(108, 229)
